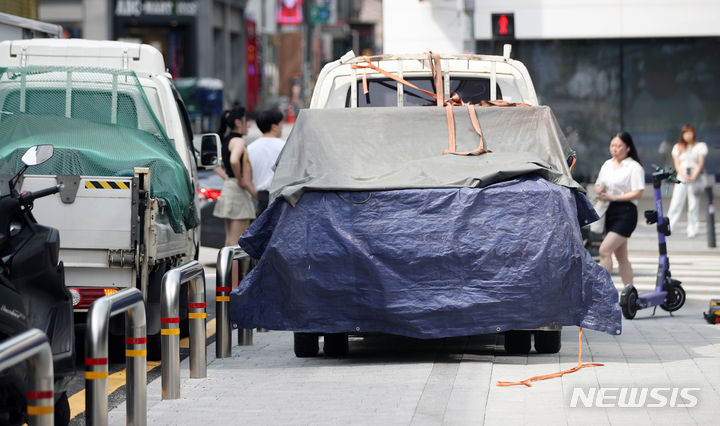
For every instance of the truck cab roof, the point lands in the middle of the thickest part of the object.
(480, 77)
(79, 52)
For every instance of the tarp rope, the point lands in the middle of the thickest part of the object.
(559, 373)
(387, 74)
(453, 100)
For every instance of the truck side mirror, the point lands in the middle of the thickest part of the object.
(209, 150)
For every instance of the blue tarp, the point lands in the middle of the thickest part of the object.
(426, 263)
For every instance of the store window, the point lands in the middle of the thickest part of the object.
(648, 87)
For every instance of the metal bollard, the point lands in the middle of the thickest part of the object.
(709, 183)
(226, 257)
(193, 273)
(129, 301)
(33, 344)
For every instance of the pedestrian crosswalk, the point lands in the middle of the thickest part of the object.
(699, 274)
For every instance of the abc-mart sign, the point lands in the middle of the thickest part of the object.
(155, 7)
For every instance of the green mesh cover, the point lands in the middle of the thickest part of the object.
(100, 124)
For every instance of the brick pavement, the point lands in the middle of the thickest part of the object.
(389, 380)
(396, 381)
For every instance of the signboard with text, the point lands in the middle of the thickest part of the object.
(156, 7)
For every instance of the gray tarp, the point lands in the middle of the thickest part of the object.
(385, 241)
(397, 148)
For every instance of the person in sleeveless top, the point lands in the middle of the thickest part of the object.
(689, 159)
(235, 204)
(621, 183)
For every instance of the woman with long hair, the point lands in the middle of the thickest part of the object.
(621, 182)
(689, 158)
(235, 204)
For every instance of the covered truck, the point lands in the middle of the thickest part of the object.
(444, 220)
(127, 211)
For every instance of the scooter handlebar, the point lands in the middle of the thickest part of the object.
(29, 197)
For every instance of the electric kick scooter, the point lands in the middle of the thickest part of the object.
(668, 294)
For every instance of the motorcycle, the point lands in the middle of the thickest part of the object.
(33, 293)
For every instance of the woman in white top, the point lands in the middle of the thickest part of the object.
(689, 159)
(621, 182)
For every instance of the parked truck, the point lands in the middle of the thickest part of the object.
(128, 210)
(426, 196)
(16, 27)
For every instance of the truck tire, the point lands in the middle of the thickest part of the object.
(62, 410)
(153, 346)
(335, 344)
(153, 311)
(548, 342)
(12, 404)
(306, 344)
(517, 342)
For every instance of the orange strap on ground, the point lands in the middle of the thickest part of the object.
(559, 373)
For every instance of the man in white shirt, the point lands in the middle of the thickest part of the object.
(263, 154)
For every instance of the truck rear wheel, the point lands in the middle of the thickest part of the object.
(548, 342)
(335, 344)
(517, 342)
(12, 387)
(306, 344)
(154, 350)
(62, 410)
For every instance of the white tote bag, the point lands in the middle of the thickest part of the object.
(600, 206)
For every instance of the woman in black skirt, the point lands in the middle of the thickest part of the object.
(621, 182)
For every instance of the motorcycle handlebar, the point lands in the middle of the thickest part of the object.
(29, 197)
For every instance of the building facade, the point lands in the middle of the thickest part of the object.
(198, 38)
(602, 65)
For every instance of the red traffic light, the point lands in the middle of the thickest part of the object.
(503, 26)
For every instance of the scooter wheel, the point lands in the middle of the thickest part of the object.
(674, 300)
(629, 304)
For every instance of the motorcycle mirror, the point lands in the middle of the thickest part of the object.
(37, 154)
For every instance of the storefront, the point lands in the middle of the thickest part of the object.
(648, 87)
(170, 26)
(646, 68)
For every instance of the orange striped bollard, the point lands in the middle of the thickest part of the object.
(172, 281)
(33, 344)
(223, 278)
(198, 332)
(130, 302)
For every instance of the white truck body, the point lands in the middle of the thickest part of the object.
(340, 85)
(112, 234)
(508, 77)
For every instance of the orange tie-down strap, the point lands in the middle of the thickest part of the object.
(559, 373)
(387, 74)
(451, 132)
(453, 100)
(435, 66)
